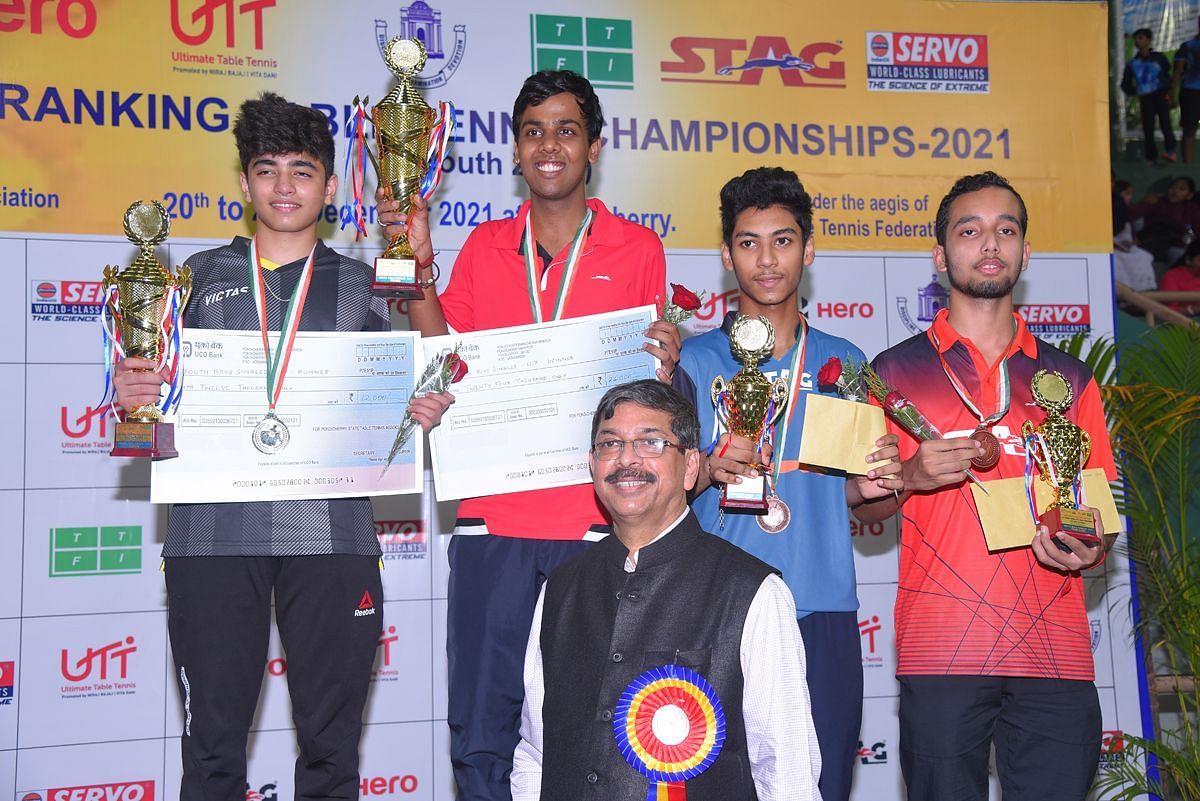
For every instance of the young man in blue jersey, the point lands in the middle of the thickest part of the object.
(1187, 88)
(1148, 78)
(766, 220)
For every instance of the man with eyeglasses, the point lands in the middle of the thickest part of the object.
(661, 592)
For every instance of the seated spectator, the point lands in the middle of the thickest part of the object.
(1170, 221)
(1184, 277)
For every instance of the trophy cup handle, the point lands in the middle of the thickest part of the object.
(779, 394)
(718, 387)
(1085, 447)
(184, 281)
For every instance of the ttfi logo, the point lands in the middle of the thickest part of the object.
(707, 59)
(101, 657)
(204, 20)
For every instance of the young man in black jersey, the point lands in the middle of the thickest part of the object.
(318, 558)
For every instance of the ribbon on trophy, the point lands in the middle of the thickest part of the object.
(359, 151)
(669, 726)
(169, 327)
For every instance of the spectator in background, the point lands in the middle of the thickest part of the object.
(1170, 221)
(1148, 77)
(1186, 87)
(1133, 266)
(1185, 277)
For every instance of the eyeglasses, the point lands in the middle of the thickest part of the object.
(649, 448)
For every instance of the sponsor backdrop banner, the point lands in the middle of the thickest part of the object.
(879, 106)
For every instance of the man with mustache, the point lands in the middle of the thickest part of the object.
(661, 592)
(991, 647)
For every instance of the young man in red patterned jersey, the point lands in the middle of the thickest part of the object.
(991, 647)
(495, 577)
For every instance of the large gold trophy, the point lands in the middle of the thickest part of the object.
(403, 125)
(145, 309)
(746, 405)
(1060, 450)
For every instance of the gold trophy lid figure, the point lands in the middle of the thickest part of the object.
(1060, 449)
(747, 405)
(412, 140)
(141, 317)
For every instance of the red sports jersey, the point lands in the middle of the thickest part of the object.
(959, 609)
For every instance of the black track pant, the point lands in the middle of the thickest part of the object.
(329, 610)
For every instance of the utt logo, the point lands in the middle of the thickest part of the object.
(366, 606)
(421, 21)
(1112, 748)
(205, 18)
(124, 791)
(75, 18)
(700, 57)
(1057, 319)
(401, 539)
(927, 62)
(8, 682)
(873, 755)
(387, 785)
(81, 427)
(101, 657)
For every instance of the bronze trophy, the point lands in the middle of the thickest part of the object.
(139, 307)
(746, 405)
(403, 124)
(1060, 449)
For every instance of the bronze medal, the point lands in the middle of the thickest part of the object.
(777, 516)
(991, 449)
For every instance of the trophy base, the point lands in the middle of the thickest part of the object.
(1077, 523)
(153, 440)
(749, 496)
(396, 278)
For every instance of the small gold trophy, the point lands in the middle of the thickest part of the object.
(403, 126)
(144, 311)
(747, 404)
(1060, 450)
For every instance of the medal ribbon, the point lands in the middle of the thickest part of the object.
(1003, 390)
(277, 364)
(794, 378)
(531, 259)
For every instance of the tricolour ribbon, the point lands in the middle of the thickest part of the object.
(568, 277)
(277, 363)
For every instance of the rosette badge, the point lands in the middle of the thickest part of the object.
(670, 726)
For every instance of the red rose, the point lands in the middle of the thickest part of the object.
(455, 367)
(684, 298)
(895, 401)
(830, 373)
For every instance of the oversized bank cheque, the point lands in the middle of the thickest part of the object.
(522, 418)
(343, 400)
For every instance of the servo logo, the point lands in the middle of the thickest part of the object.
(8, 682)
(1112, 749)
(401, 539)
(424, 22)
(120, 791)
(927, 62)
(59, 301)
(1056, 319)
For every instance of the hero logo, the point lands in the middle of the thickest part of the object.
(1056, 319)
(846, 311)
(706, 59)
(75, 18)
(101, 657)
(858, 529)
(1112, 749)
(66, 301)
(867, 630)
(874, 754)
(204, 20)
(387, 785)
(125, 791)
(401, 539)
(927, 62)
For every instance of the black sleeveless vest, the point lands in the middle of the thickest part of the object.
(602, 627)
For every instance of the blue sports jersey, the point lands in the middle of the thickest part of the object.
(1151, 74)
(1189, 55)
(814, 552)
